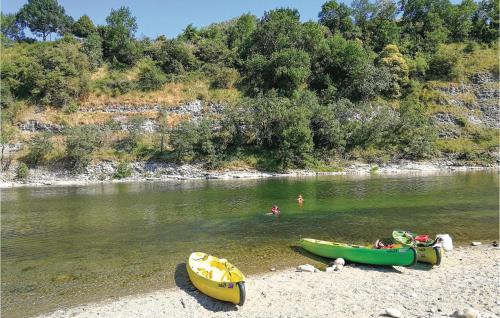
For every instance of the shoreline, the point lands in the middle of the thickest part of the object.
(467, 278)
(154, 172)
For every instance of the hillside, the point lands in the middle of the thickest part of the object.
(267, 93)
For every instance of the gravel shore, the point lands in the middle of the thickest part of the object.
(154, 171)
(467, 280)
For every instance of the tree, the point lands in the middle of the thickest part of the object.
(327, 131)
(391, 59)
(345, 65)
(415, 135)
(285, 71)
(83, 27)
(92, 47)
(22, 172)
(119, 44)
(337, 17)
(175, 57)
(282, 125)
(423, 23)
(189, 34)
(44, 17)
(80, 144)
(289, 70)
(40, 146)
(240, 31)
(49, 74)
(277, 30)
(11, 27)
(486, 21)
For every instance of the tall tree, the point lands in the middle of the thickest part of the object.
(459, 21)
(83, 27)
(486, 21)
(10, 27)
(119, 42)
(44, 17)
(337, 17)
(277, 30)
(423, 23)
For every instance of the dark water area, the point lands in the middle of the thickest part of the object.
(63, 246)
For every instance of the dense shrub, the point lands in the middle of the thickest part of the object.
(445, 64)
(22, 172)
(92, 47)
(40, 146)
(221, 76)
(123, 170)
(175, 57)
(49, 74)
(80, 144)
(150, 77)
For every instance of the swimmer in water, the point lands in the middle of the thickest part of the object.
(275, 210)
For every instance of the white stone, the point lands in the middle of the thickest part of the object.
(476, 243)
(339, 261)
(393, 312)
(339, 267)
(330, 269)
(307, 268)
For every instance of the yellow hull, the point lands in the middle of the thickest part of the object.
(430, 254)
(216, 278)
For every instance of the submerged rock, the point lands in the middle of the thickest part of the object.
(476, 243)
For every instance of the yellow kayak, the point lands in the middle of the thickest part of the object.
(216, 277)
(430, 254)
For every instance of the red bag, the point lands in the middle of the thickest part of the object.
(422, 238)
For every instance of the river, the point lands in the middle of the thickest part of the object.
(63, 246)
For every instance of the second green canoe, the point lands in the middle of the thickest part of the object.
(406, 256)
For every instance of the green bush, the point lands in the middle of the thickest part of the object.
(446, 64)
(116, 84)
(92, 48)
(175, 57)
(22, 172)
(40, 146)
(123, 170)
(221, 76)
(150, 77)
(183, 139)
(80, 144)
(53, 74)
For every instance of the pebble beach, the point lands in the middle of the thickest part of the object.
(467, 284)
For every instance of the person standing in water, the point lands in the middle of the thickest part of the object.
(300, 199)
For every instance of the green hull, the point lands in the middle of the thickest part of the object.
(405, 256)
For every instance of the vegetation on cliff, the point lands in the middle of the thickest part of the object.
(358, 84)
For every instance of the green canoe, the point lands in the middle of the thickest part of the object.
(406, 256)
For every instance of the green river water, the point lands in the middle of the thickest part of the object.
(63, 246)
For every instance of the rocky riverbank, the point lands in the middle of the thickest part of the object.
(465, 285)
(106, 171)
